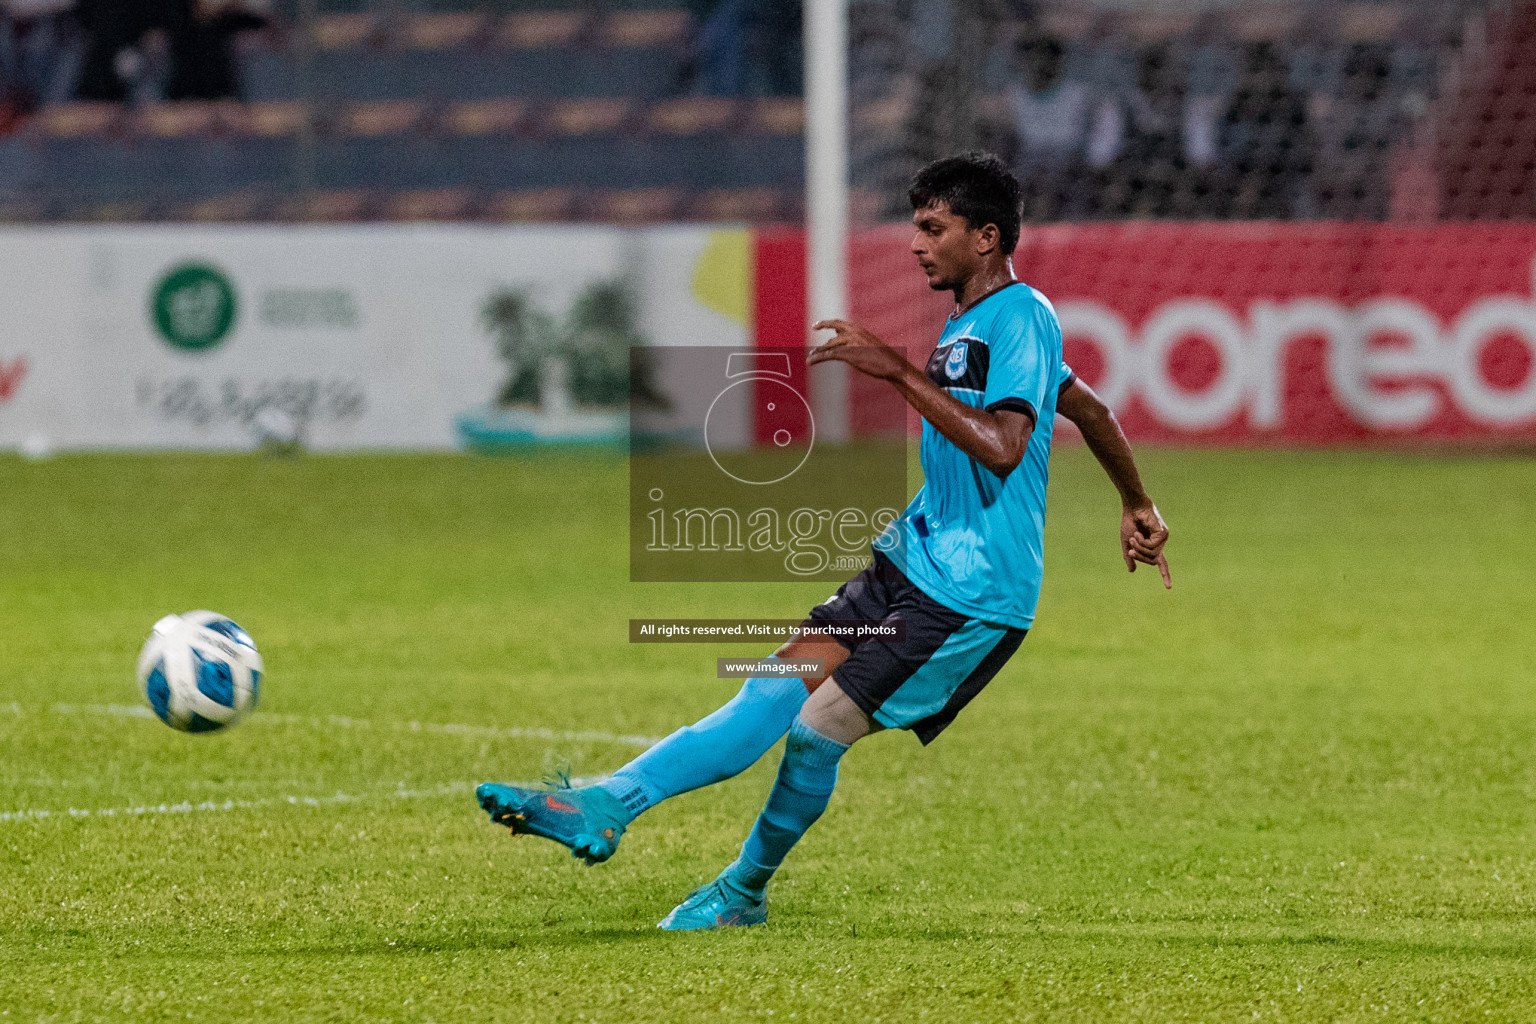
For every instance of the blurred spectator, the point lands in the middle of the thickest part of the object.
(710, 46)
(1266, 147)
(1050, 128)
(1209, 80)
(1064, 128)
(114, 59)
(774, 40)
(746, 48)
(163, 49)
(1104, 58)
(1050, 111)
(1151, 176)
(1356, 129)
(949, 40)
(1106, 63)
(39, 53)
(203, 63)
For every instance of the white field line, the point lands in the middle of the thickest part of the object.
(343, 722)
(334, 721)
(187, 807)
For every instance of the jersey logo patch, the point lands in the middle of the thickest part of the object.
(960, 364)
(954, 366)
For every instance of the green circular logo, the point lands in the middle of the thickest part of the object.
(194, 306)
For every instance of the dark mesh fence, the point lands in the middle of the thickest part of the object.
(1402, 111)
(641, 112)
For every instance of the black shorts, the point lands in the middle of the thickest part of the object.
(923, 680)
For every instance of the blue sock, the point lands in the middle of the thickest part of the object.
(716, 747)
(807, 777)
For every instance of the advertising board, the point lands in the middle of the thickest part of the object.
(1269, 333)
(387, 336)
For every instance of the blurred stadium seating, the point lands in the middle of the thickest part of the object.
(548, 110)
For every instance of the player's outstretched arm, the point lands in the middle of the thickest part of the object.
(997, 440)
(1142, 530)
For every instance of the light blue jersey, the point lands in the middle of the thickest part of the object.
(969, 540)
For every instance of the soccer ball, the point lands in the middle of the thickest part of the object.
(199, 671)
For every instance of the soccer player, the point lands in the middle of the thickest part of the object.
(961, 567)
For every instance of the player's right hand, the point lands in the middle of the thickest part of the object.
(858, 348)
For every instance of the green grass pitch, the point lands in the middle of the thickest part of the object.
(1299, 787)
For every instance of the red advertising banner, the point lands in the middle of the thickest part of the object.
(1267, 333)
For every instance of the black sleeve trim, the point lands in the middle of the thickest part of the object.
(1068, 382)
(1016, 405)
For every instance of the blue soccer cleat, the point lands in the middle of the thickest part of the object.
(589, 821)
(715, 905)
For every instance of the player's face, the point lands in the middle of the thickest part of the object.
(945, 247)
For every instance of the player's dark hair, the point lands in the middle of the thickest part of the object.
(977, 186)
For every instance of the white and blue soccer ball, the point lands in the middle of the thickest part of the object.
(200, 672)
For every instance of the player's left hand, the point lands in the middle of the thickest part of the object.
(1142, 536)
(858, 348)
